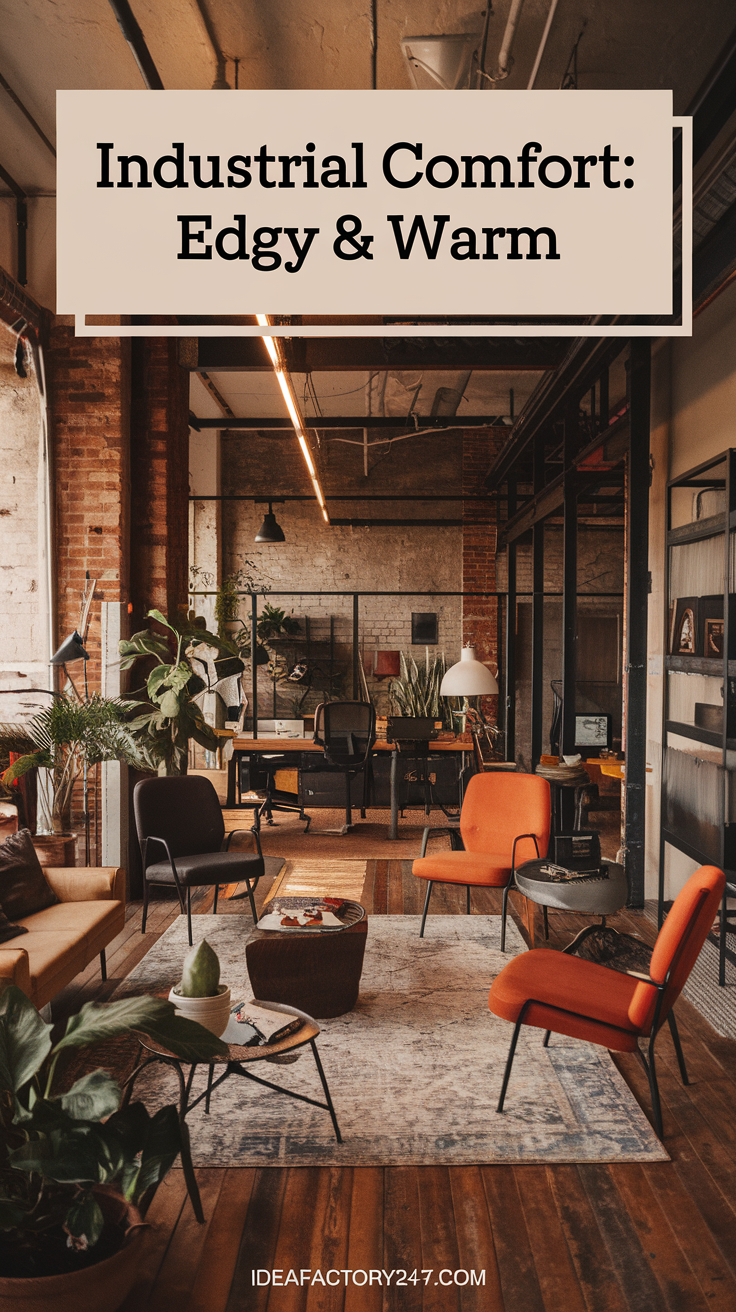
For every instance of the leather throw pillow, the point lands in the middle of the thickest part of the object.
(7, 930)
(23, 886)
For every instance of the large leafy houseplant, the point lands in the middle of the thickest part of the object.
(69, 736)
(171, 716)
(56, 1148)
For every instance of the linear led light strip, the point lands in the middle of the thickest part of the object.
(292, 405)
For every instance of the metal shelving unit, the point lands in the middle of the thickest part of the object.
(698, 798)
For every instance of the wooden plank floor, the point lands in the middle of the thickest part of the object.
(586, 1238)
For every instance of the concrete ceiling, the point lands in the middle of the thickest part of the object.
(78, 44)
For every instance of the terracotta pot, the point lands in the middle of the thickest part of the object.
(56, 849)
(99, 1288)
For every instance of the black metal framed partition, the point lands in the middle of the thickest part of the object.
(565, 458)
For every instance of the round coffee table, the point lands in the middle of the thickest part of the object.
(595, 895)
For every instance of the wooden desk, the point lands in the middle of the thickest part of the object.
(245, 746)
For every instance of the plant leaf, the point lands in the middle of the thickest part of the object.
(155, 1017)
(25, 1039)
(85, 1219)
(93, 1097)
(170, 704)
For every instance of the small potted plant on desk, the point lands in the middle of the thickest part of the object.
(77, 1168)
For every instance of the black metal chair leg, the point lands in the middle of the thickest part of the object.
(252, 901)
(468, 900)
(217, 890)
(650, 1069)
(145, 903)
(509, 1064)
(348, 803)
(328, 1099)
(546, 922)
(210, 1077)
(103, 965)
(189, 914)
(678, 1047)
(722, 940)
(547, 1037)
(426, 908)
(503, 916)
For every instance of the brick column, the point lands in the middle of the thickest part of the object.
(479, 550)
(159, 478)
(89, 389)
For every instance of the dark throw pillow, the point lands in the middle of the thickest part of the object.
(7, 930)
(23, 886)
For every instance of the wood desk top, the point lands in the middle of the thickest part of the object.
(278, 745)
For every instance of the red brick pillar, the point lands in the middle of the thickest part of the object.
(159, 478)
(89, 390)
(479, 550)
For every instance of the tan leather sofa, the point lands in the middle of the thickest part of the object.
(64, 938)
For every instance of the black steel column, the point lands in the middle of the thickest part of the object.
(511, 634)
(538, 613)
(637, 599)
(254, 667)
(569, 589)
(356, 647)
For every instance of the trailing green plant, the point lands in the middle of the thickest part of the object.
(69, 736)
(172, 717)
(55, 1147)
(416, 692)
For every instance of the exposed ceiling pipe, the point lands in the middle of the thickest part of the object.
(128, 25)
(220, 83)
(542, 44)
(21, 223)
(17, 101)
(505, 62)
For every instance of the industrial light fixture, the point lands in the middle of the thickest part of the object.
(292, 405)
(71, 649)
(468, 678)
(444, 62)
(270, 531)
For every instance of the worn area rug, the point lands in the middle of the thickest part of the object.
(414, 1070)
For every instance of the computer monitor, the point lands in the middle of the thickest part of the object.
(592, 732)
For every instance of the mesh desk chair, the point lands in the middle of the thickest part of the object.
(346, 731)
(180, 829)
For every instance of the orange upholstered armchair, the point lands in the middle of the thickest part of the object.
(584, 1000)
(505, 820)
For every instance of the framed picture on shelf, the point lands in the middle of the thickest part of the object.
(685, 632)
(711, 626)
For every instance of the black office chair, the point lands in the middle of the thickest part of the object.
(181, 816)
(346, 731)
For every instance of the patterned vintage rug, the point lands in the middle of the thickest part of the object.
(414, 1070)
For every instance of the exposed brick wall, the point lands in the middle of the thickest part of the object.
(89, 389)
(317, 558)
(159, 463)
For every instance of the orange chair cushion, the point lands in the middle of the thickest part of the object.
(477, 868)
(497, 807)
(600, 998)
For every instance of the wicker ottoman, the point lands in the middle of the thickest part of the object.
(318, 973)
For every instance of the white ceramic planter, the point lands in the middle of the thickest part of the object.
(213, 1012)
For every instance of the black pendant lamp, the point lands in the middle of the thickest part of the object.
(270, 531)
(71, 649)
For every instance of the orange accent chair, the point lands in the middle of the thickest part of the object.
(500, 814)
(584, 1000)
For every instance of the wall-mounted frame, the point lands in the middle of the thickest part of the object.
(424, 628)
